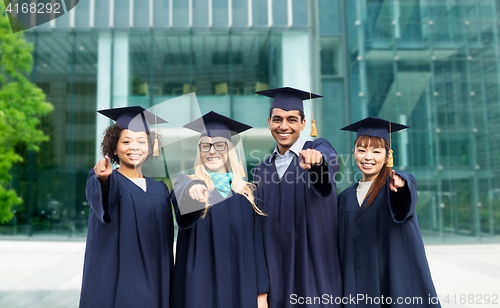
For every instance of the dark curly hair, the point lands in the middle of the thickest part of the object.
(110, 142)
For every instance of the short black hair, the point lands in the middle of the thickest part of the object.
(301, 113)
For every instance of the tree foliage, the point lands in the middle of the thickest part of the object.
(22, 104)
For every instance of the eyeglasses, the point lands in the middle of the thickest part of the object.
(218, 146)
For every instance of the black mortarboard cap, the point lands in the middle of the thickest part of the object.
(134, 118)
(375, 127)
(213, 124)
(288, 98)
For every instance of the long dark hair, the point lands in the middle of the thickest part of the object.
(381, 179)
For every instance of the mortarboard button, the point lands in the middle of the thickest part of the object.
(291, 99)
(213, 124)
(376, 127)
(134, 118)
(288, 98)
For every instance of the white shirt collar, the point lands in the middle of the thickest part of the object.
(295, 148)
(364, 186)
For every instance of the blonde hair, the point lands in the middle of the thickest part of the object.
(238, 185)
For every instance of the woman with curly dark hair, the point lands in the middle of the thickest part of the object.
(128, 258)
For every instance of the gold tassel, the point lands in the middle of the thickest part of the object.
(314, 131)
(156, 152)
(242, 170)
(390, 161)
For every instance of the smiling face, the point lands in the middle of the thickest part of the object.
(370, 155)
(285, 126)
(214, 160)
(132, 149)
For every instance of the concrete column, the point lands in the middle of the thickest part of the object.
(297, 70)
(120, 69)
(103, 86)
(112, 78)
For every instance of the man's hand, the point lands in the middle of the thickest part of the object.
(396, 181)
(199, 192)
(309, 158)
(103, 170)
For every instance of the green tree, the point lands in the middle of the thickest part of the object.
(21, 105)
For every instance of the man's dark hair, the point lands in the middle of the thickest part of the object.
(301, 113)
(110, 143)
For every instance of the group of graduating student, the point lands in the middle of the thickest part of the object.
(285, 240)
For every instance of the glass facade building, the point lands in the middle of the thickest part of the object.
(431, 64)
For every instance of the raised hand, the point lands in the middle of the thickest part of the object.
(103, 170)
(396, 181)
(309, 157)
(199, 192)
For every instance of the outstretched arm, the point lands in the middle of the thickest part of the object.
(189, 198)
(402, 193)
(101, 190)
(321, 161)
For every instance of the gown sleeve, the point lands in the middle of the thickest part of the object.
(323, 175)
(102, 200)
(180, 196)
(404, 201)
(260, 260)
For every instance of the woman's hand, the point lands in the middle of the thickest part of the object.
(199, 192)
(262, 300)
(103, 170)
(396, 181)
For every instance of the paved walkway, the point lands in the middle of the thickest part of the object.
(38, 274)
(466, 275)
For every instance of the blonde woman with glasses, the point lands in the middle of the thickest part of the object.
(219, 256)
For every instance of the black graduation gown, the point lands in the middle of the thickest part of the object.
(381, 249)
(300, 231)
(128, 258)
(219, 259)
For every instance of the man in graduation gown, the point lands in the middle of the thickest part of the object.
(297, 191)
